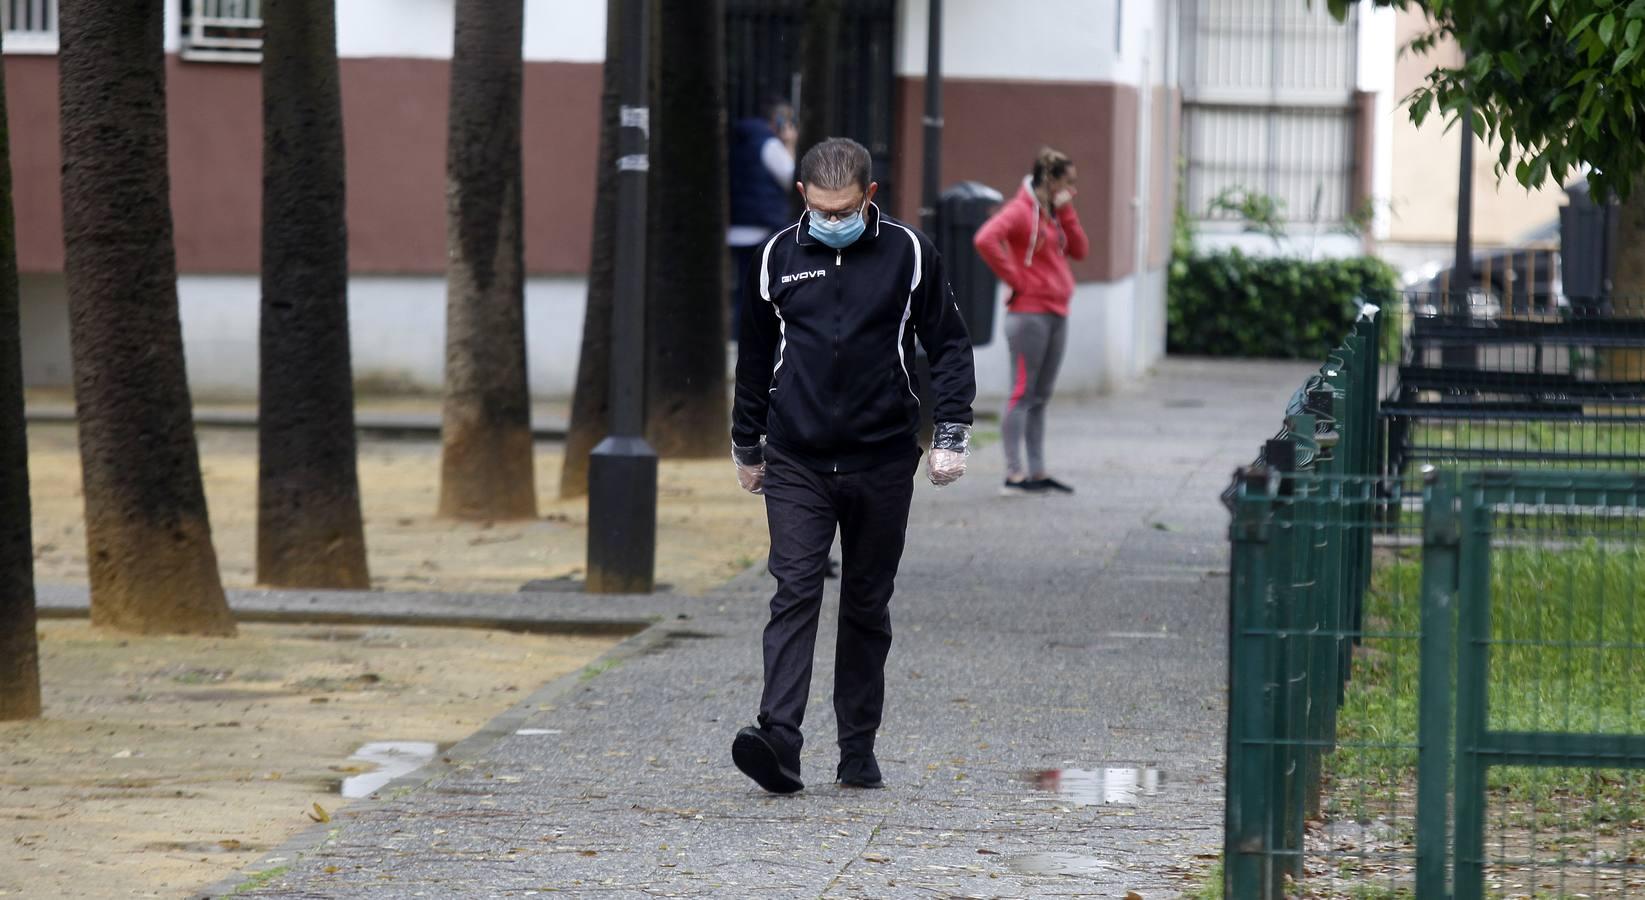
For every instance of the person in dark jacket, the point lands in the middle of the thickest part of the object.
(761, 158)
(824, 425)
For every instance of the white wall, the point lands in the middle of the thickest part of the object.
(1378, 50)
(1039, 40)
(1116, 333)
(555, 30)
(45, 330)
(396, 327)
(1299, 244)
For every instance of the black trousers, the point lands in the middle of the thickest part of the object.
(803, 508)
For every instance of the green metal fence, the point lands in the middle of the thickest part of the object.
(1450, 705)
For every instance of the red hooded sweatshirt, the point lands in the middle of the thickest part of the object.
(1029, 250)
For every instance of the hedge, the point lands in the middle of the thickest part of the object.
(1226, 303)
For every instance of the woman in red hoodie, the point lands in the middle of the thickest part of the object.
(1028, 243)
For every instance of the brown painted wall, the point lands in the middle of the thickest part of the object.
(394, 118)
(36, 161)
(992, 129)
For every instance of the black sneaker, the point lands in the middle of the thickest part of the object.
(859, 770)
(757, 756)
(1051, 484)
(1021, 488)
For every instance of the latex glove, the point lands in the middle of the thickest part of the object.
(950, 445)
(750, 467)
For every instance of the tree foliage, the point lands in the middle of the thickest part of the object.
(1560, 84)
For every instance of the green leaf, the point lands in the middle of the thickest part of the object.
(1625, 59)
(1522, 173)
(1420, 107)
(1630, 37)
(1607, 28)
(1636, 10)
(1581, 25)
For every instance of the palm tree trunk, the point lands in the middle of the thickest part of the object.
(591, 400)
(486, 469)
(148, 538)
(309, 528)
(19, 654)
(687, 409)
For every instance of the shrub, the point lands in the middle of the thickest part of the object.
(1226, 303)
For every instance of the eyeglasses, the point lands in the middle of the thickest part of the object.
(835, 215)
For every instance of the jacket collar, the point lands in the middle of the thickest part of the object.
(1028, 196)
(871, 228)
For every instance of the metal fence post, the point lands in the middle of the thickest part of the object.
(1251, 695)
(1441, 545)
(1473, 660)
(1293, 564)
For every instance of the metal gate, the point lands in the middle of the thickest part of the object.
(762, 43)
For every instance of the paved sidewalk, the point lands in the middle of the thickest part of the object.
(1082, 634)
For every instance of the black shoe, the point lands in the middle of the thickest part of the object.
(1021, 488)
(757, 756)
(859, 770)
(1051, 484)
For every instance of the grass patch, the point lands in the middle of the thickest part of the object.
(1210, 886)
(596, 669)
(1605, 441)
(1567, 654)
(258, 880)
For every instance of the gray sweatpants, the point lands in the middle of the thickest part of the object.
(1036, 342)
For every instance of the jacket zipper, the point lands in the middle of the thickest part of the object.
(839, 261)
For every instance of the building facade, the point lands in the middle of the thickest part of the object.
(1095, 78)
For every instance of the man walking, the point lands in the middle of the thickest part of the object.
(831, 307)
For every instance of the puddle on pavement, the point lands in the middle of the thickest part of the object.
(1061, 864)
(1100, 787)
(392, 759)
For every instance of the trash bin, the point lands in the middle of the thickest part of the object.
(961, 210)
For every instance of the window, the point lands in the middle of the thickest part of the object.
(30, 26)
(222, 30)
(1269, 106)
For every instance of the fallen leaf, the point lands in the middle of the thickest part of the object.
(588, 853)
(986, 852)
(229, 844)
(319, 814)
(1132, 895)
(330, 870)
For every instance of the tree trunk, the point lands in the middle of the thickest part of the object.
(19, 654)
(148, 538)
(591, 401)
(819, 55)
(486, 466)
(687, 408)
(309, 528)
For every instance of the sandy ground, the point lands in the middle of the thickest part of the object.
(707, 529)
(165, 764)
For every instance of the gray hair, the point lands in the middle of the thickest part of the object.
(836, 163)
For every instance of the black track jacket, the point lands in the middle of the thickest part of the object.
(825, 361)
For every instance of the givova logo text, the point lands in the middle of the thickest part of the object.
(801, 276)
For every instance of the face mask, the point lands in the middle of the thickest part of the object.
(840, 234)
